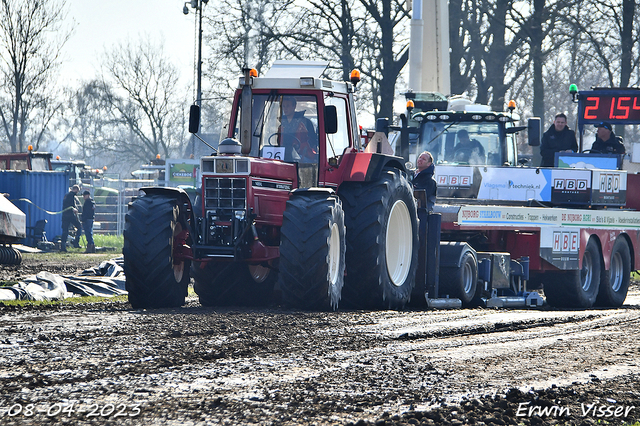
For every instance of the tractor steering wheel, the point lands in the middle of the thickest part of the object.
(296, 141)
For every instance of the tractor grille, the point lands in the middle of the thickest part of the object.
(225, 195)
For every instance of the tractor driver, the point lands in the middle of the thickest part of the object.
(297, 134)
(467, 150)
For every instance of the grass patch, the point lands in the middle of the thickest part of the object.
(69, 301)
(104, 240)
(72, 254)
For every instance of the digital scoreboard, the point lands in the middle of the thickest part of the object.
(621, 106)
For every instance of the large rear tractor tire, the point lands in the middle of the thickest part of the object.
(577, 288)
(614, 283)
(153, 279)
(312, 251)
(233, 283)
(382, 242)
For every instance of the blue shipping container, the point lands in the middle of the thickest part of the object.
(44, 191)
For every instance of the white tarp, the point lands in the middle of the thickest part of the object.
(106, 280)
(12, 220)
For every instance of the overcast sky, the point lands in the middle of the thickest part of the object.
(99, 24)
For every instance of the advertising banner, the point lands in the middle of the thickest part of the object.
(182, 172)
(609, 188)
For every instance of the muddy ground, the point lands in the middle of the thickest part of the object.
(106, 363)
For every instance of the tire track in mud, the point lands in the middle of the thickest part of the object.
(589, 322)
(287, 367)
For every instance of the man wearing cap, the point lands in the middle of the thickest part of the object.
(70, 217)
(606, 141)
(88, 214)
(558, 138)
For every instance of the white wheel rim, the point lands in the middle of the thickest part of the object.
(259, 273)
(399, 243)
(178, 268)
(334, 254)
(616, 271)
(467, 277)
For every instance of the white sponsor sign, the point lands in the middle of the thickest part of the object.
(454, 176)
(518, 184)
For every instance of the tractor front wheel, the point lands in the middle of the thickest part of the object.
(312, 251)
(154, 277)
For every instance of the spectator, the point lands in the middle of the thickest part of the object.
(70, 218)
(606, 141)
(88, 214)
(559, 138)
(423, 179)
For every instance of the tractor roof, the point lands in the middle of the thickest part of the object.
(301, 75)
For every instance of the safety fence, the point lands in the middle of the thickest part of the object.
(112, 196)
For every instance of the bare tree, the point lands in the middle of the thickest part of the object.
(31, 38)
(144, 98)
(610, 32)
(325, 30)
(486, 54)
(88, 124)
(389, 50)
(241, 34)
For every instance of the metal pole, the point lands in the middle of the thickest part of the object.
(198, 70)
(199, 65)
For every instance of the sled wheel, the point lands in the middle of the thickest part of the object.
(461, 282)
(615, 282)
(576, 288)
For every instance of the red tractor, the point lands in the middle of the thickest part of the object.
(290, 199)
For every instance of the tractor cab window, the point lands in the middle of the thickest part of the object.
(20, 164)
(462, 143)
(339, 141)
(39, 163)
(284, 127)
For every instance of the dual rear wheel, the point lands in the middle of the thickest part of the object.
(592, 284)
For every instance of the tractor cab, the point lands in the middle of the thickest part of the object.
(303, 121)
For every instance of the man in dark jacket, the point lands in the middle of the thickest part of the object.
(88, 214)
(606, 141)
(70, 217)
(424, 179)
(557, 139)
